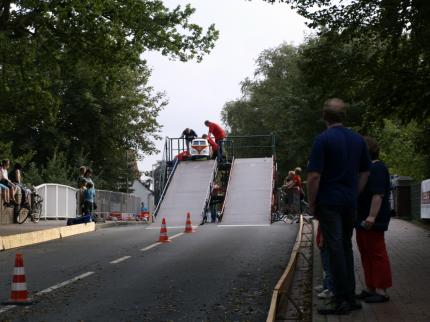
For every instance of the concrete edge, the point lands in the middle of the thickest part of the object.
(44, 235)
(30, 238)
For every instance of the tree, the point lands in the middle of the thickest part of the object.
(276, 100)
(398, 31)
(72, 80)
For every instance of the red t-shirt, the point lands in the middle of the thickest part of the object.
(183, 156)
(217, 131)
(297, 181)
(213, 144)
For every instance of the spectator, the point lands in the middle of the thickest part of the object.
(5, 164)
(212, 143)
(288, 181)
(16, 177)
(81, 183)
(5, 194)
(89, 198)
(326, 291)
(372, 222)
(337, 171)
(81, 177)
(219, 134)
(216, 199)
(88, 176)
(189, 135)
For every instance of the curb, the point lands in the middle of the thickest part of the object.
(40, 236)
(44, 235)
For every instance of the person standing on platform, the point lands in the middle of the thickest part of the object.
(337, 172)
(189, 135)
(219, 134)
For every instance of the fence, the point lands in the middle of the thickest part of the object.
(60, 201)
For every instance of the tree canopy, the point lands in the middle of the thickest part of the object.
(73, 82)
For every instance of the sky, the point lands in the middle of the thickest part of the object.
(198, 91)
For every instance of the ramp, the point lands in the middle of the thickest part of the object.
(249, 193)
(187, 191)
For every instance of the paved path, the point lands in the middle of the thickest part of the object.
(409, 250)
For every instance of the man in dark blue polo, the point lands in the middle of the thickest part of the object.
(337, 171)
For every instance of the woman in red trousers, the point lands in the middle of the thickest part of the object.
(372, 222)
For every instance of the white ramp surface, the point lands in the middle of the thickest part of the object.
(249, 194)
(186, 193)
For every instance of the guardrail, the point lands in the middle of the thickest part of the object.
(282, 288)
(60, 201)
(165, 188)
(209, 190)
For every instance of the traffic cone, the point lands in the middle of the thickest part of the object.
(163, 233)
(19, 294)
(188, 226)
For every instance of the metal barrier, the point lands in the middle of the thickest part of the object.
(288, 201)
(110, 201)
(61, 202)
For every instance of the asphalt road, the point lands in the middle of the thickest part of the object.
(218, 273)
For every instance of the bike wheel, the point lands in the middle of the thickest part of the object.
(36, 211)
(21, 215)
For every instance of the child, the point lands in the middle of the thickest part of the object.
(89, 198)
(325, 291)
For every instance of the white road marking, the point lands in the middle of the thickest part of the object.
(177, 235)
(50, 289)
(6, 308)
(74, 279)
(169, 227)
(250, 225)
(149, 247)
(119, 260)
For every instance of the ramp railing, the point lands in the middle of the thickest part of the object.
(166, 185)
(209, 190)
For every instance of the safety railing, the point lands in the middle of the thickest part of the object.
(59, 201)
(209, 189)
(226, 192)
(166, 185)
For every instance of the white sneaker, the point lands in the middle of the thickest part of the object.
(326, 294)
(319, 288)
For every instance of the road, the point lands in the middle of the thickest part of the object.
(219, 273)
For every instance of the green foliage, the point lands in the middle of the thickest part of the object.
(73, 83)
(400, 149)
(276, 100)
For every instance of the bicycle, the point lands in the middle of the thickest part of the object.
(32, 208)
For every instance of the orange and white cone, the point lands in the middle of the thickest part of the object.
(163, 233)
(188, 225)
(19, 293)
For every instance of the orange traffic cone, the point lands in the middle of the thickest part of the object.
(188, 226)
(19, 294)
(163, 233)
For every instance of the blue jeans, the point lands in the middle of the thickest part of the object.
(328, 278)
(337, 224)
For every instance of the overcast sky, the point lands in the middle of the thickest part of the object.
(198, 91)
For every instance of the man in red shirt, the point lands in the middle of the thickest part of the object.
(219, 134)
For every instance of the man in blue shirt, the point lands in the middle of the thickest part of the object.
(338, 169)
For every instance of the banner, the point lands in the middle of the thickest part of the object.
(425, 199)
